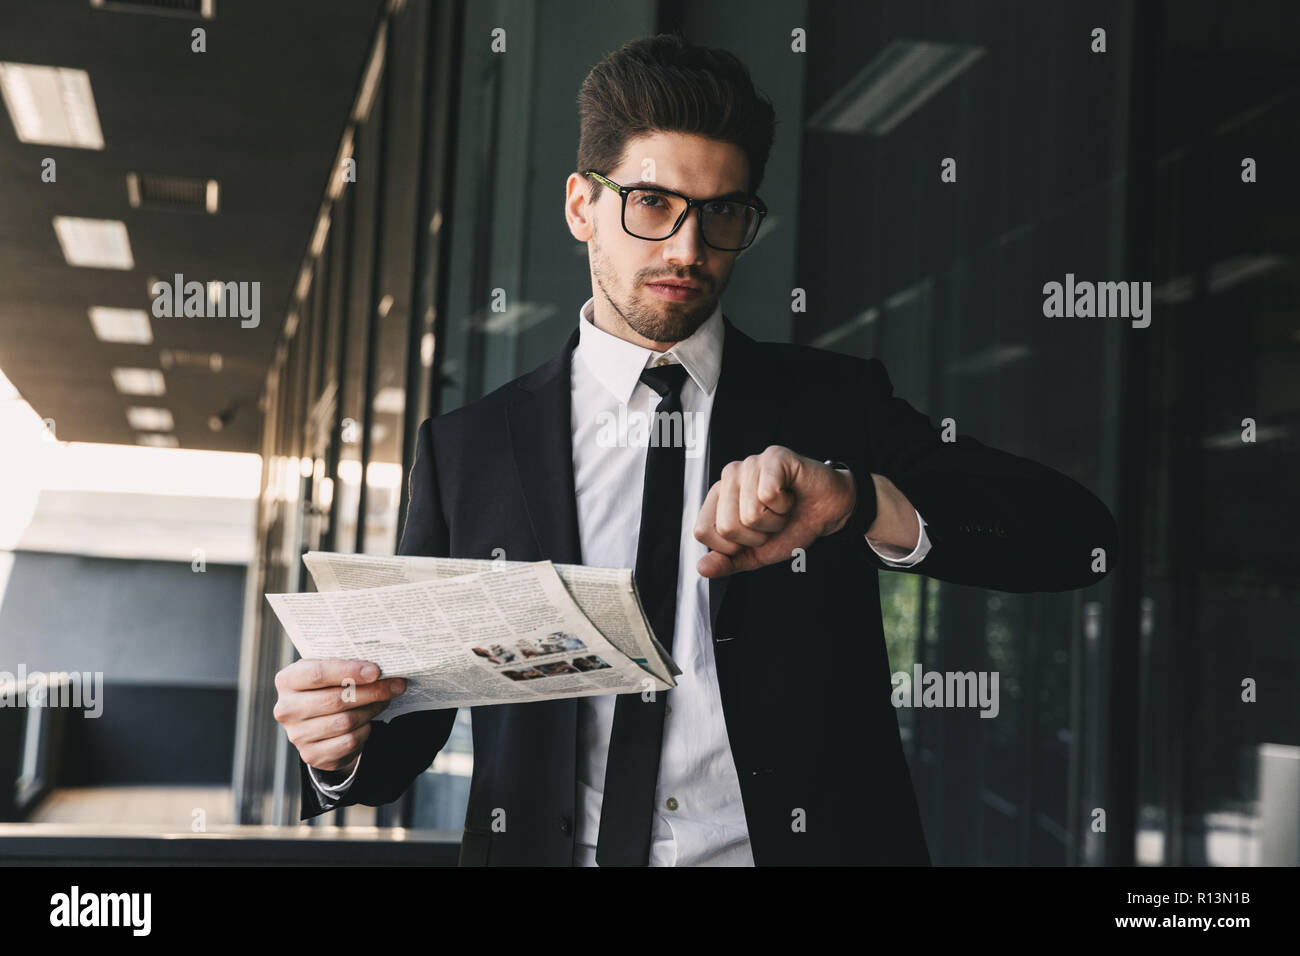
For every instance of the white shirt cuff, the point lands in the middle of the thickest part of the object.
(335, 789)
(896, 557)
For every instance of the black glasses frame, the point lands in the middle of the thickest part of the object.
(753, 203)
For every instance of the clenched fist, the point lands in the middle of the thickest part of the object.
(764, 507)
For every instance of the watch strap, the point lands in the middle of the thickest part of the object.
(864, 508)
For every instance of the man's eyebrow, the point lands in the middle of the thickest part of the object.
(734, 194)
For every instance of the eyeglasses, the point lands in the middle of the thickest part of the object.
(649, 212)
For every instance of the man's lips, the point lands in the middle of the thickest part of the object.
(677, 283)
(671, 291)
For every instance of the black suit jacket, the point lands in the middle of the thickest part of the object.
(800, 656)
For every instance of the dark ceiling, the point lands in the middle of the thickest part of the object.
(261, 112)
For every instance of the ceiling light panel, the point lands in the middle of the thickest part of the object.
(95, 243)
(121, 325)
(51, 105)
(147, 419)
(139, 381)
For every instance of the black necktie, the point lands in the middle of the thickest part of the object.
(632, 770)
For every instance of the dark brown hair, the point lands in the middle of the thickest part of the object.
(666, 84)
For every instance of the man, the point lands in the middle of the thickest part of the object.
(756, 557)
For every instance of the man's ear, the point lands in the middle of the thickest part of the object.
(578, 211)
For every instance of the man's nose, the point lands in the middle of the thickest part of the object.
(686, 246)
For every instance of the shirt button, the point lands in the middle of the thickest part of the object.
(671, 803)
(566, 826)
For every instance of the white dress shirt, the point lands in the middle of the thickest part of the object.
(699, 817)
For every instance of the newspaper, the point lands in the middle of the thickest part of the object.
(466, 633)
(607, 596)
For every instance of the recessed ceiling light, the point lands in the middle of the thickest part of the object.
(177, 193)
(150, 419)
(139, 381)
(158, 441)
(206, 9)
(98, 243)
(51, 105)
(179, 358)
(121, 325)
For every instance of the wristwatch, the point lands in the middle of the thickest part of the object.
(864, 508)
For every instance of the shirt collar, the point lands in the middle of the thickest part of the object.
(617, 363)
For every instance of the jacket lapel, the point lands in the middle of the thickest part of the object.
(541, 439)
(733, 415)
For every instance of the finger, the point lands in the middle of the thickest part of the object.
(780, 547)
(774, 483)
(715, 564)
(336, 752)
(727, 521)
(777, 548)
(312, 674)
(334, 725)
(315, 703)
(706, 530)
(755, 513)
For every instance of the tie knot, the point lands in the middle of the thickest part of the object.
(665, 378)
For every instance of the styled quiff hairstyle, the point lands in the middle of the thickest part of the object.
(665, 84)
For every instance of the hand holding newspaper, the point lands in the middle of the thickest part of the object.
(469, 632)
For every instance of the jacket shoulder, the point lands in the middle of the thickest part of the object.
(489, 407)
(812, 365)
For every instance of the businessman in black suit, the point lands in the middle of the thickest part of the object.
(783, 479)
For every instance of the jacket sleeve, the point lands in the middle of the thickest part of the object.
(994, 520)
(399, 750)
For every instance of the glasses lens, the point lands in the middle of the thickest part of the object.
(729, 225)
(726, 225)
(652, 215)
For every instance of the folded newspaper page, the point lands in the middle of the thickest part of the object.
(470, 633)
(607, 596)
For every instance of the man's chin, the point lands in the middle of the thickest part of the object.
(673, 321)
(667, 332)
